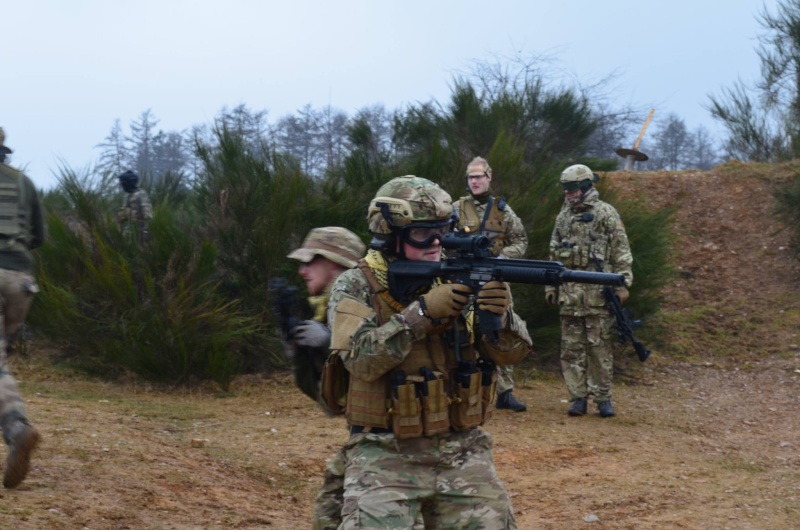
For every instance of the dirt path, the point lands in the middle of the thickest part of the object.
(710, 441)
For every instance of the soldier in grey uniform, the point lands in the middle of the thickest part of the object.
(419, 382)
(325, 254)
(22, 229)
(587, 231)
(137, 210)
(491, 216)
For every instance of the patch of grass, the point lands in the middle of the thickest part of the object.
(732, 463)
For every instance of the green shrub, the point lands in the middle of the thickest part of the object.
(113, 302)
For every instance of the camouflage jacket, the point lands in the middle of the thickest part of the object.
(514, 239)
(592, 228)
(136, 209)
(22, 226)
(376, 349)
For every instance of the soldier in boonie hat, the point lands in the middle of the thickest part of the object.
(325, 253)
(338, 244)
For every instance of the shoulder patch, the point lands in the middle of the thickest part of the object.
(348, 317)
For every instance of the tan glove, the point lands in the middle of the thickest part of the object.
(551, 297)
(446, 300)
(494, 296)
(621, 293)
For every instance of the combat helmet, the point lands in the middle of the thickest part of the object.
(579, 174)
(129, 181)
(578, 177)
(403, 208)
(335, 243)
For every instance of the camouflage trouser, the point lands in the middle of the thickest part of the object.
(16, 296)
(586, 357)
(505, 378)
(450, 480)
(328, 504)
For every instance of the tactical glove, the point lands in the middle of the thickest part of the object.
(494, 296)
(445, 301)
(551, 297)
(621, 293)
(311, 334)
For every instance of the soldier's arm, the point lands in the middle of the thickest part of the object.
(620, 256)
(368, 350)
(514, 342)
(555, 241)
(515, 234)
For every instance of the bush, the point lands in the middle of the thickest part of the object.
(114, 302)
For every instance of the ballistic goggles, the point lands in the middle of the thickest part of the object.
(572, 186)
(422, 235)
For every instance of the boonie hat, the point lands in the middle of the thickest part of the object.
(335, 243)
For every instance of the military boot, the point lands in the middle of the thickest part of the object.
(21, 439)
(507, 400)
(578, 407)
(606, 409)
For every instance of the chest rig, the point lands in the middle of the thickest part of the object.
(440, 386)
(491, 224)
(579, 238)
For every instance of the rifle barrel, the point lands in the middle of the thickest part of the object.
(597, 278)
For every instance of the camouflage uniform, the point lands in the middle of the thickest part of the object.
(590, 228)
(136, 211)
(504, 228)
(22, 229)
(397, 474)
(344, 248)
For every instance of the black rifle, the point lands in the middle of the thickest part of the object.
(469, 261)
(625, 323)
(290, 309)
(286, 305)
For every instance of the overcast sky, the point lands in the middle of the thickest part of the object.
(71, 68)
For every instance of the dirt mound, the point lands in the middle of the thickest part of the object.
(737, 277)
(706, 434)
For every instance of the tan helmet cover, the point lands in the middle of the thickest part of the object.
(578, 173)
(409, 199)
(335, 243)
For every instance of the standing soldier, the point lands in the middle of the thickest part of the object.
(485, 214)
(324, 255)
(419, 384)
(21, 230)
(588, 232)
(136, 210)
